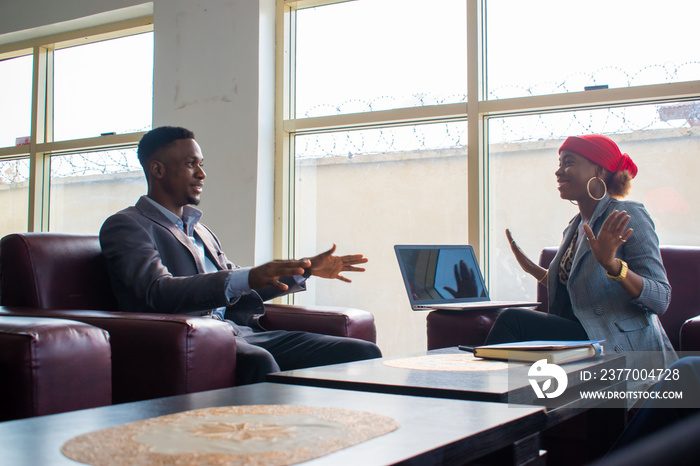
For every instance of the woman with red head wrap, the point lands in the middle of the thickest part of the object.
(607, 281)
(602, 151)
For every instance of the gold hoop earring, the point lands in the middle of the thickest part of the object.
(605, 188)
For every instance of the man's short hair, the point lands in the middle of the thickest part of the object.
(158, 138)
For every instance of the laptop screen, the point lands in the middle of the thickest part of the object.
(441, 274)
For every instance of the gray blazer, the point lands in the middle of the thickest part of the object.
(155, 267)
(604, 309)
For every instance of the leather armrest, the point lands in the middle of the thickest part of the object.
(326, 320)
(453, 328)
(690, 335)
(50, 366)
(157, 355)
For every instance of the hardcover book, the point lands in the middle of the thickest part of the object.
(555, 352)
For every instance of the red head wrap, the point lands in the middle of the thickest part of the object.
(601, 150)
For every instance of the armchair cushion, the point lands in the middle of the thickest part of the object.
(54, 271)
(690, 335)
(50, 366)
(682, 265)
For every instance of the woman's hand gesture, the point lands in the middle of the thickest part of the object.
(613, 234)
(524, 261)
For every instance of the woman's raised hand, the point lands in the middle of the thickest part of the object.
(524, 261)
(613, 234)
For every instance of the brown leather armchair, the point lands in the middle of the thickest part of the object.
(681, 321)
(153, 355)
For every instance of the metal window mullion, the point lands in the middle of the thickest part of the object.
(41, 132)
(284, 151)
(476, 166)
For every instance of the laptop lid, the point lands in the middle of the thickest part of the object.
(436, 275)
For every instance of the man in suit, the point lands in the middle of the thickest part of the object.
(162, 259)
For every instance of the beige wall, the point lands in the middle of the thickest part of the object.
(81, 204)
(14, 199)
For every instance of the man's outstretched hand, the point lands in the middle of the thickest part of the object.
(269, 274)
(326, 265)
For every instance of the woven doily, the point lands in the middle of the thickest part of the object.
(266, 435)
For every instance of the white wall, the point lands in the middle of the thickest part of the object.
(214, 73)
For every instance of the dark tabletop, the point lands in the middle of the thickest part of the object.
(431, 431)
(505, 386)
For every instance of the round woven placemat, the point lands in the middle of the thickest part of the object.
(268, 435)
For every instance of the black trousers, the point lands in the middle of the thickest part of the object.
(526, 324)
(264, 352)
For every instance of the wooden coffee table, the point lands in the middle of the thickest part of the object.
(510, 385)
(432, 431)
(600, 427)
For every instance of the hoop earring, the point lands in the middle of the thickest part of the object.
(605, 188)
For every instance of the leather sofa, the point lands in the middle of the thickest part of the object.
(49, 366)
(681, 321)
(54, 275)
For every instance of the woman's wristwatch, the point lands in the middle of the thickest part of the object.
(623, 272)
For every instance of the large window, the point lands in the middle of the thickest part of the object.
(444, 128)
(375, 55)
(74, 107)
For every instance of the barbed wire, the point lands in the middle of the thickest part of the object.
(14, 171)
(95, 163)
(612, 120)
(109, 162)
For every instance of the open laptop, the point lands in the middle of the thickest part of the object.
(446, 277)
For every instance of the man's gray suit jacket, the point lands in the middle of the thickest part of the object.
(155, 267)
